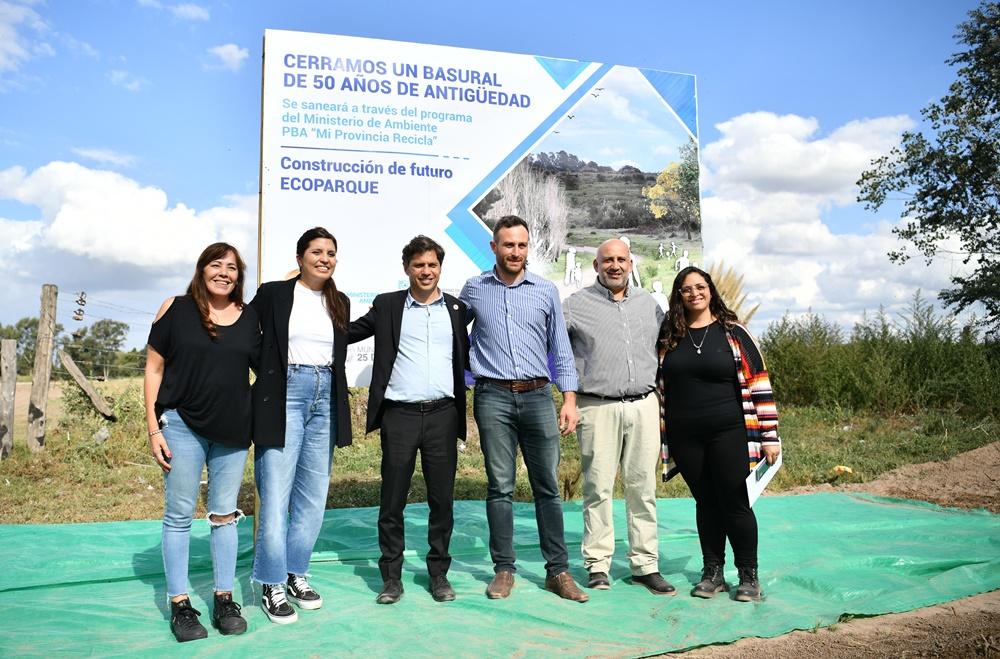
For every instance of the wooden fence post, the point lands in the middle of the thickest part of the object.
(43, 369)
(96, 399)
(8, 385)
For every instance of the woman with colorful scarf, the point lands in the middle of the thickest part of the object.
(718, 419)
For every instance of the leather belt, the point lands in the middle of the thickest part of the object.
(627, 398)
(422, 406)
(517, 386)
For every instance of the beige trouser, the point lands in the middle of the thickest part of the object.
(613, 433)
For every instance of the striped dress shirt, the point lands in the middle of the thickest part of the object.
(614, 341)
(515, 329)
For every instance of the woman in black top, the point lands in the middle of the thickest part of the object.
(718, 417)
(197, 388)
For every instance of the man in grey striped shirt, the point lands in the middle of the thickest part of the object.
(613, 329)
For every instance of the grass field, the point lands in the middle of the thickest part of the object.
(80, 479)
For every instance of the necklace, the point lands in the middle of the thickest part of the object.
(697, 346)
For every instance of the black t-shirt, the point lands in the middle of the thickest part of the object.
(702, 390)
(207, 380)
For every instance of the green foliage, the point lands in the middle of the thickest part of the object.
(25, 332)
(920, 361)
(674, 197)
(950, 177)
(95, 349)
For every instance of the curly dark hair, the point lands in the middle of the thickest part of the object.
(675, 327)
(419, 245)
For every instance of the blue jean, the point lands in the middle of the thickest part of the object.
(293, 480)
(190, 453)
(507, 420)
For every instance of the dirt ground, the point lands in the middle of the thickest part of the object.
(968, 627)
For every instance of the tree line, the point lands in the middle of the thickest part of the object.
(96, 348)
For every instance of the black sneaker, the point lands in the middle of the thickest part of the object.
(276, 606)
(598, 581)
(226, 615)
(299, 591)
(654, 583)
(184, 621)
(749, 588)
(712, 582)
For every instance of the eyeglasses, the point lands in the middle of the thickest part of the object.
(691, 290)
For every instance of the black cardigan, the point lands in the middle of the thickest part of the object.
(273, 304)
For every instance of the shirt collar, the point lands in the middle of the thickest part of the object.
(605, 292)
(410, 302)
(528, 278)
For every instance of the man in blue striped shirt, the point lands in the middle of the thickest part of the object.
(518, 321)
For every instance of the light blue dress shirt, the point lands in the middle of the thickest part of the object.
(422, 370)
(516, 327)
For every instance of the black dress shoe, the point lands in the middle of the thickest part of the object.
(598, 581)
(654, 583)
(441, 590)
(392, 590)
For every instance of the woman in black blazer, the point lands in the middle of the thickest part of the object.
(299, 414)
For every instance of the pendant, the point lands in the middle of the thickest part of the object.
(699, 351)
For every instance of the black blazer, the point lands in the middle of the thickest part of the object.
(273, 304)
(384, 320)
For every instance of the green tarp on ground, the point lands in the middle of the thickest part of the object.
(98, 589)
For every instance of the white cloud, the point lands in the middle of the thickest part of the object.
(43, 49)
(190, 12)
(125, 80)
(80, 46)
(768, 182)
(186, 11)
(111, 236)
(107, 217)
(105, 156)
(15, 46)
(229, 56)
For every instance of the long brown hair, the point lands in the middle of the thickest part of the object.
(675, 327)
(335, 306)
(199, 292)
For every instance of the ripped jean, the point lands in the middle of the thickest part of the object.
(190, 452)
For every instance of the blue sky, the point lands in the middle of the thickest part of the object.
(119, 115)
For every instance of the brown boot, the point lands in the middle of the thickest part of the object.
(563, 585)
(500, 587)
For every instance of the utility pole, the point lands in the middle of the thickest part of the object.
(43, 369)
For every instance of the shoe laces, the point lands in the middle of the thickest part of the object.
(225, 608)
(299, 584)
(187, 615)
(711, 573)
(276, 595)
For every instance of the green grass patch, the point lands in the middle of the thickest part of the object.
(78, 478)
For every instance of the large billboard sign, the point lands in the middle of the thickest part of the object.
(379, 141)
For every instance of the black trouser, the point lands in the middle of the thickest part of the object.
(715, 465)
(434, 433)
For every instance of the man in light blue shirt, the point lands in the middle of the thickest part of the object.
(417, 400)
(518, 322)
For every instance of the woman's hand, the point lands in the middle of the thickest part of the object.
(161, 452)
(771, 452)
